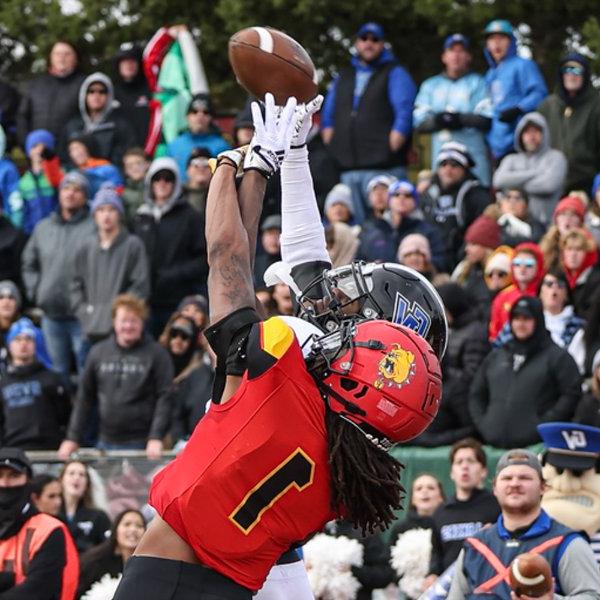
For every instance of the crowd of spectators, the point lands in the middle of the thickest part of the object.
(103, 266)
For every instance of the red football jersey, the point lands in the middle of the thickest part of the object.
(254, 477)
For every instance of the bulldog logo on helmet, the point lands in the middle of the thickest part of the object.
(397, 368)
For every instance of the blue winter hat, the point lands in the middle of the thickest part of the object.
(375, 29)
(107, 194)
(78, 179)
(404, 186)
(457, 38)
(39, 136)
(499, 26)
(23, 326)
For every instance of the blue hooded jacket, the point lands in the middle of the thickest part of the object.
(513, 82)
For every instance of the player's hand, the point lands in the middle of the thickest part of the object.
(547, 596)
(303, 120)
(272, 136)
(67, 448)
(154, 449)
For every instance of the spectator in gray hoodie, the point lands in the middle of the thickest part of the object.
(112, 263)
(47, 266)
(111, 133)
(536, 168)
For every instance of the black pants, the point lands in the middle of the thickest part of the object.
(149, 578)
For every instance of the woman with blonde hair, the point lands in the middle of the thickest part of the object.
(568, 214)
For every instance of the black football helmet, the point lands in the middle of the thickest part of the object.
(387, 291)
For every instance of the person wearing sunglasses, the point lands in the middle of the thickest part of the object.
(98, 118)
(573, 115)
(527, 270)
(192, 384)
(201, 132)
(497, 272)
(172, 234)
(367, 115)
(516, 83)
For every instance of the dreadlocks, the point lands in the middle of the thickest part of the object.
(364, 479)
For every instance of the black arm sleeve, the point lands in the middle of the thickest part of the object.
(44, 578)
(228, 340)
(474, 120)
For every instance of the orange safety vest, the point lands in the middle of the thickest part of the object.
(17, 552)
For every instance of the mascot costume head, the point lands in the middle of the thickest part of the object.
(571, 468)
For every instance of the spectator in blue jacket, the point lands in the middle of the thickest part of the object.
(9, 177)
(455, 106)
(516, 85)
(201, 132)
(381, 235)
(367, 115)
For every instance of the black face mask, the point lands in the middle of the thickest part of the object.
(13, 501)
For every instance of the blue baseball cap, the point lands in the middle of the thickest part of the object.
(375, 29)
(404, 186)
(499, 26)
(571, 445)
(457, 38)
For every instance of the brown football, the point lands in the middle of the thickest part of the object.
(267, 60)
(531, 575)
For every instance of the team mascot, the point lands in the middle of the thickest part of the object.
(571, 468)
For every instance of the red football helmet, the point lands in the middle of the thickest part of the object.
(384, 378)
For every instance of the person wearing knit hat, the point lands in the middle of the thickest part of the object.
(37, 189)
(403, 194)
(39, 136)
(384, 230)
(481, 239)
(107, 196)
(195, 307)
(112, 263)
(454, 199)
(483, 231)
(414, 251)
(569, 213)
(76, 179)
(338, 204)
(377, 195)
(497, 272)
(10, 304)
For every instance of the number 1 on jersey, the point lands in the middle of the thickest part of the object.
(297, 470)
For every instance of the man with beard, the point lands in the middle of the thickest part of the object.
(455, 197)
(367, 115)
(37, 556)
(522, 527)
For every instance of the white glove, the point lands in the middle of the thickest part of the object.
(272, 136)
(514, 226)
(303, 117)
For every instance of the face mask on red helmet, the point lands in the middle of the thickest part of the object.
(383, 378)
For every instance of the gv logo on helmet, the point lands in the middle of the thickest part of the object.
(397, 368)
(413, 316)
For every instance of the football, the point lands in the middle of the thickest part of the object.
(531, 575)
(267, 60)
